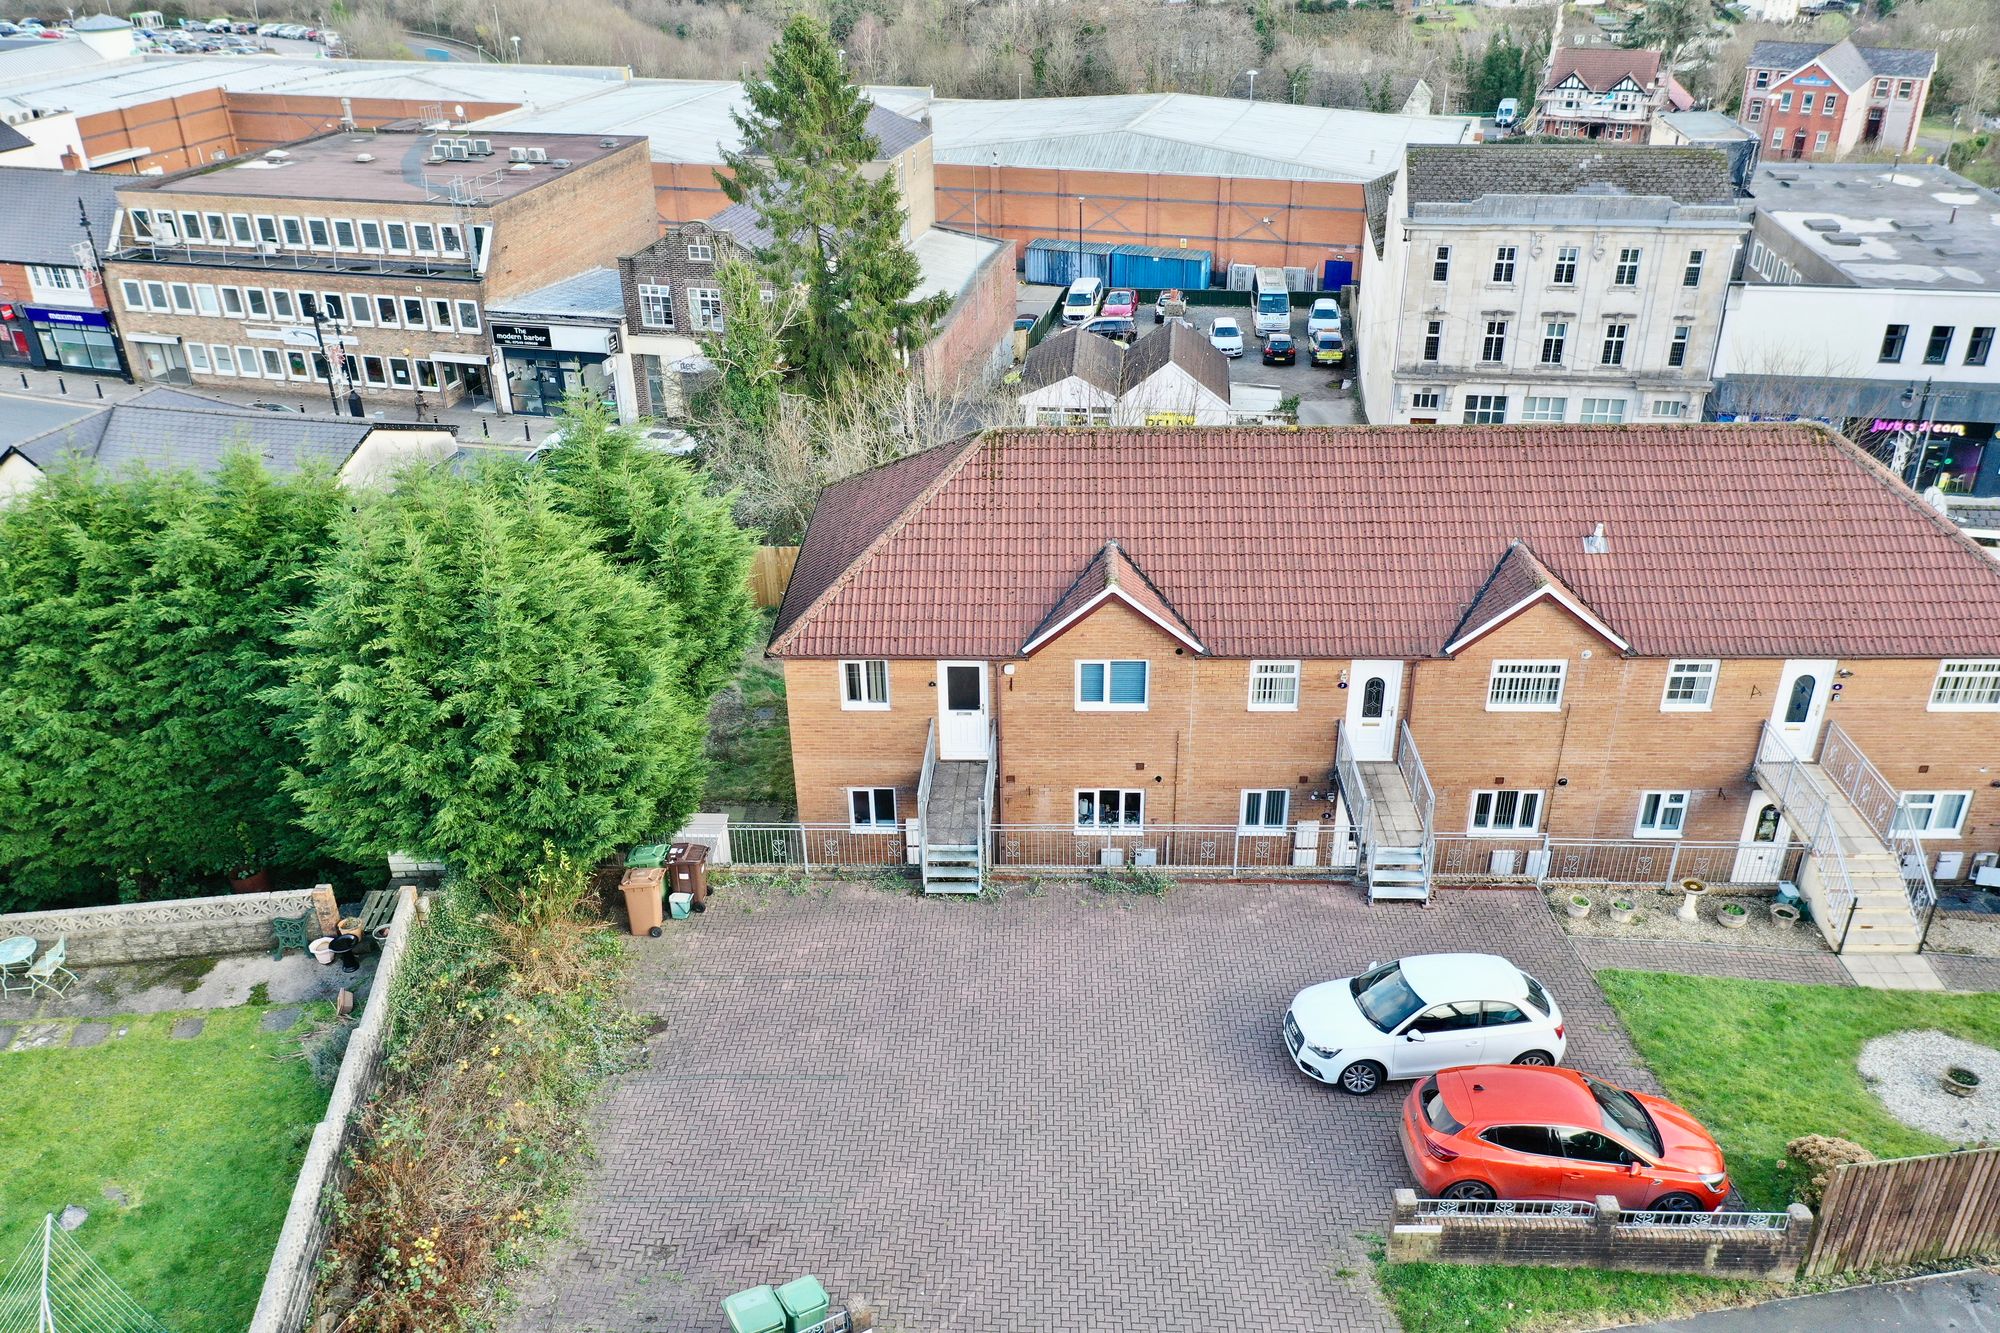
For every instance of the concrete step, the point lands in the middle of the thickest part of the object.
(950, 870)
(1380, 892)
(1398, 856)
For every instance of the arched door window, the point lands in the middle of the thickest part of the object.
(1373, 696)
(1767, 825)
(1799, 707)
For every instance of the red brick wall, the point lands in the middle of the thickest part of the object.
(585, 217)
(980, 321)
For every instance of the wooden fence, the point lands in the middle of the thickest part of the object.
(770, 572)
(1907, 1210)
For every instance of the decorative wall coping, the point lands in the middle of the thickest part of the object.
(173, 928)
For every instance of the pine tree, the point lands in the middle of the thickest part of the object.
(750, 351)
(475, 684)
(836, 234)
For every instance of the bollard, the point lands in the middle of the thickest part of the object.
(526, 438)
(100, 388)
(484, 432)
(24, 379)
(62, 384)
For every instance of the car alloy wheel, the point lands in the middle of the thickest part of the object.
(1536, 1058)
(1468, 1189)
(1361, 1078)
(1676, 1203)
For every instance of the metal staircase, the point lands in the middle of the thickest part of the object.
(1393, 808)
(1866, 879)
(955, 804)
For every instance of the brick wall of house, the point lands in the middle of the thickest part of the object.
(582, 218)
(834, 749)
(980, 322)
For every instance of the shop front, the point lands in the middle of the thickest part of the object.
(545, 363)
(63, 339)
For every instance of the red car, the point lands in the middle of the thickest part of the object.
(1521, 1132)
(1120, 302)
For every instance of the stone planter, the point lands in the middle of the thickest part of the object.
(1959, 1081)
(1622, 912)
(1784, 916)
(1733, 916)
(1694, 889)
(1577, 906)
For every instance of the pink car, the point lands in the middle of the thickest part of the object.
(1119, 303)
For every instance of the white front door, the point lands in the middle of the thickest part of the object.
(1761, 858)
(1796, 714)
(1374, 693)
(961, 710)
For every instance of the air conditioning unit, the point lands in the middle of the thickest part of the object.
(459, 153)
(1502, 862)
(438, 153)
(1538, 863)
(482, 147)
(1986, 870)
(537, 154)
(517, 154)
(1950, 865)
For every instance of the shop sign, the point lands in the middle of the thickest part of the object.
(1812, 81)
(83, 319)
(613, 344)
(1884, 426)
(522, 335)
(6, 310)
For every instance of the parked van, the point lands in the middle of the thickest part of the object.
(1081, 302)
(1274, 302)
(1508, 114)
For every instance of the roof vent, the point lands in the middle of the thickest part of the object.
(560, 163)
(607, 143)
(364, 157)
(1596, 543)
(1822, 224)
(276, 154)
(1841, 238)
(520, 166)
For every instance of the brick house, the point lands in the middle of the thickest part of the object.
(1617, 636)
(1820, 101)
(52, 307)
(399, 239)
(1606, 92)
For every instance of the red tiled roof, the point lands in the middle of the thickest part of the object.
(1723, 540)
(1111, 573)
(1601, 67)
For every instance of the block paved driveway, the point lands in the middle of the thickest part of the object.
(1055, 1112)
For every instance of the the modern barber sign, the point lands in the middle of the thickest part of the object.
(521, 335)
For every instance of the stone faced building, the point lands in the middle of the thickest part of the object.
(1548, 283)
(398, 240)
(1532, 636)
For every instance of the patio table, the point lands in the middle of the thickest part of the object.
(16, 951)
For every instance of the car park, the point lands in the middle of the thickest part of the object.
(1227, 336)
(1117, 328)
(1120, 301)
(1328, 348)
(1325, 314)
(1511, 1132)
(1417, 1015)
(1280, 350)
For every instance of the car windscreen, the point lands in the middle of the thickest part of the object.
(1080, 298)
(1384, 998)
(1273, 303)
(1623, 1115)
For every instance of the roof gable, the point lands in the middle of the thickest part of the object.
(1090, 357)
(1602, 68)
(1180, 345)
(1518, 582)
(1110, 575)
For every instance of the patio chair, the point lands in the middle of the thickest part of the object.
(48, 973)
(291, 932)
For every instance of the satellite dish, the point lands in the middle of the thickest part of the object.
(458, 112)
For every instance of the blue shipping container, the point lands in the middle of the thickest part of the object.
(1160, 266)
(1058, 263)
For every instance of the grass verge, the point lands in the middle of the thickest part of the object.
(201, 1139)
(750, 736)
(1466, 1298)
(500, 1035)
(1762, 1062)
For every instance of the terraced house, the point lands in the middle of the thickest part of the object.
(1425, 653)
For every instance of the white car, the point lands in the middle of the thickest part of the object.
(1227, 335)
(1325, 315)
(1415, 1016)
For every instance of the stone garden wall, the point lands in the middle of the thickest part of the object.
(179, 928)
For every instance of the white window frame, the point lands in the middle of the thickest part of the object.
(223, 359)
(284, 305)
(1544, 408)
(1954, 676)
(1662, 814)
(205, 300)
(1602, 411)
(135, 295)
(1426, 400)
(1526, 670)
(361, 229)
(1528, 796)
(1668, 409)
(468, 316)
(241, 232)
(247, 363)
(156, 295)
(182, 296)
(423, 237)
(395, 247)
(409, 304)
(1106, 706)
(1565, 266)
(654, 299)
(197, 354)
(387, 321)
(1275, 672)
(1929, 803)
(1264, 797)
(874, 822)
(855, 682)
(701, 251)
(705, 309)
(274, 362)
(361, 310)
(293, 230)
(1691, 672)
(324, 240)
(347, 225)
(267, 229)
(1098, 825)
(257, 302)
(1483, 405)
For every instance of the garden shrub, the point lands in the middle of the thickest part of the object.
(1813, 1159)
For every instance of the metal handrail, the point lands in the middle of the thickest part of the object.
(1857, 778)
(1349, 771)
(1411, 765)
(1706, 1221)
(297, 261)
(1571, 1208)
(924, 801)
(986, 796)
(1794, 784)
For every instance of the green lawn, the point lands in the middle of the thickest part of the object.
(750, 737)
(1761, 1062)
(203, 1137)
(1438, 1298)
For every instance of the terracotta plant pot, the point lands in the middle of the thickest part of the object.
(1577, 906)
(1734, 916)
(1784, 916)
(251, 881)
(1959, 1081)
(1622, 912)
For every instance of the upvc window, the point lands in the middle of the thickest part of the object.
(274, 362)
(1565, 274)
(135, 296)
(1433, 339)
(1893, 338)
(267, 229)
(281, 303)
(1525, 687)
(295, 233)
(1494, 346)
(1602, 411)
(440, 313)
(399, 372)
(385, 311)
(871, 808)
(218, 230)
(156, 296)
(423, 236)
(1938, 814)
(1485, 409)
(1938, 349)
(204, 300)
(361, 310)
(1112, 685)
(1555, 335)
(1614, 345)
(701, 251)
(1504, 812)
(1661, 814)
(706, 303)
(864, 684)
(318, 235)
(371, 236)
(296, 362)
(1425, 400)
(427, 374)
(413, 312)
(225, 364)
(260, 305)
(142, 225)
(1690, 686)
(398, 237)
(1832, 102)
(1979, 346)
(1103, 808)
(1785, 100)
(239, 229)
(1677, 350)
(468, 316)
(191, 227)
(448, 240)
(1544, 409)
(246, 362)
(1265, 810)
(1669, 409)
(1966, 686)
(1274, 687)
(1691, 275)
(1441, 263)
(197, 357)
(656, 306)
(334, 305)
(343, 234)
(1819, 141)
(374, 372)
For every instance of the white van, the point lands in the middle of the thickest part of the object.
(1081, 302)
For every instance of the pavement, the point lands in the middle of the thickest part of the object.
(1057, 1110)
(1968, 1301)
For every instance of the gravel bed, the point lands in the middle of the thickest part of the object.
(1903, 1070)
(1965, 934)
(1657, 920)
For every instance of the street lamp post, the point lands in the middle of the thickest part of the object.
(1253, 83)
(310, 304)
(110, 315)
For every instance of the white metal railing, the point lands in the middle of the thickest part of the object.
(1165, 846)
(1808, 803)
(1436, 1208)
(1849, 768)
(1355, 792)
(924, 800)
(814, 846)
(1411, 765)
(1705, 1221)
(1657, 861)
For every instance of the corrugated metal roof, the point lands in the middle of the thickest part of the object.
(1182, 134)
